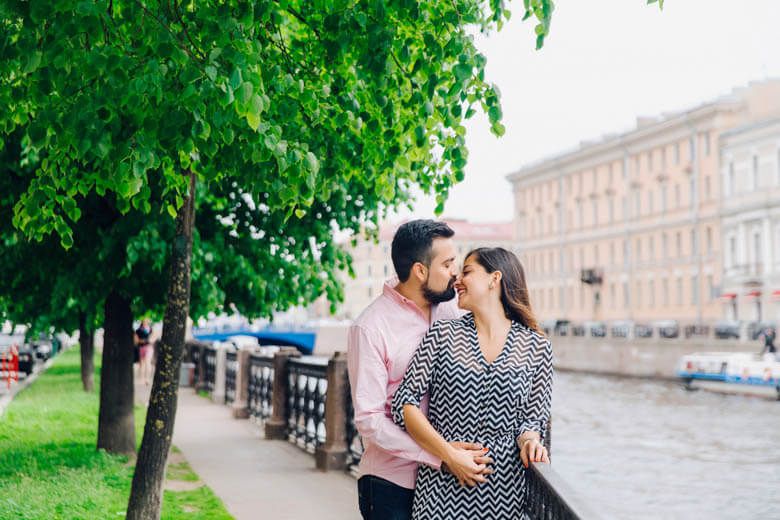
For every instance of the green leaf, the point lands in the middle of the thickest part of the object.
(171, 210)
(235, 78)
(211, 72)
(244, 93)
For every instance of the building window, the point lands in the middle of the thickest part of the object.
(730, 187)
(638, 249)
(625, 207)
(651, 248)
(755, 172)
(694, 249)
(580, 215)
(612, 253)
(664, 246)
(709, 240)
(707, 190)
(650, 161)
(710, 287)
(778, 166)
(595, 205)
(611, 210)
(679, 290)
(651, 293)
(638, 297)
(665, 292)
(706, 141)
(733, 251)
(369, 270)
(677, 153)
(596, 255)
(692, 190)
(612, 297)
(626, 295)
(663, 198)
(676, 195)
(650, 202)
(694, 289)
(625, 252)
(679, 244)
(691, 148)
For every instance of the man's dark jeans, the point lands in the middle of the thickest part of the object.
(380, 499)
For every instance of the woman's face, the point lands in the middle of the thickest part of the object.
(473, 285)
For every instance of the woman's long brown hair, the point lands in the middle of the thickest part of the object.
(514, 291)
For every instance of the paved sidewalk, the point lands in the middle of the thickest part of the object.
(256, 478)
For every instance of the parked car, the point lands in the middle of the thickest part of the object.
(621, 328)
(667, 328)
(577, 329)
(727, 329)
(26, 359)
(643, 330)
(555, 327)
(596, 329)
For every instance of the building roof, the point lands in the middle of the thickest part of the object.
(464, 230)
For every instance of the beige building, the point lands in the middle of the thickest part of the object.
(750, 209)
(629, 227)
(372, 263)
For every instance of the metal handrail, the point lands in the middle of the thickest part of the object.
(549, 497)
(307, 385)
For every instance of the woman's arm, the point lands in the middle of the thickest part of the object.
(460, 462)
(535, 413)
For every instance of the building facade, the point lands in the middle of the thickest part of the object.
(750, 209)
(629, 227)
(373, 266)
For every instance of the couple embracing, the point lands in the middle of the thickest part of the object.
(451, 395)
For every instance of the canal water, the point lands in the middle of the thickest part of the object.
(648, 449)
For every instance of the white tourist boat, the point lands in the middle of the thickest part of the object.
(731, 372)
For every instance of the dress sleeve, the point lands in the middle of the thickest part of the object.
(419, 375)
(535, 412)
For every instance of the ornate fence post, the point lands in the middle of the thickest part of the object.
(333, 454)
(276, 425)
(240, 406)
(218, 395)
(200, 368)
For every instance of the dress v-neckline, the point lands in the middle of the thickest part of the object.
(504, 347)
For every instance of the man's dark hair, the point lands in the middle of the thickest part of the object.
(413, 242)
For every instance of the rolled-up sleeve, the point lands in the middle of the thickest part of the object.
(417, 378)
(366, 360)
(535, 412)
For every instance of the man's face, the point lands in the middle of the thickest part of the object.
(438, 287)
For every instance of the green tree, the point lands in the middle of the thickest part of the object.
(322, 113)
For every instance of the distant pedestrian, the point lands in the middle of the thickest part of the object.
(769, 335)
(143, 343)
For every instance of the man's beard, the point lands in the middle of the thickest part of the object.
(439, 296)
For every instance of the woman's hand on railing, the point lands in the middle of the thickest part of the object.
(531, 450)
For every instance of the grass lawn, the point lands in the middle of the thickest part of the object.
(49, 468)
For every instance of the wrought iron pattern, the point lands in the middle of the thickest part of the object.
(354, 441)
(261, 385)
(307, 385)
(211, 367)
(231, 367)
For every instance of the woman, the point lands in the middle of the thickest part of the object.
(489, 378)
(143, 342)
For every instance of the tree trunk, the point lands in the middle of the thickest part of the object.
(87, 345)
(116, 425)
(146, 494)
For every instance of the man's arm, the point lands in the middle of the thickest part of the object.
(368, 382)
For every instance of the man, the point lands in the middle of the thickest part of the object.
(380, 346)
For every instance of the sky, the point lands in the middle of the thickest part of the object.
(605, 63)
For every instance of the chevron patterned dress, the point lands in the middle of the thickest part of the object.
(472, 400)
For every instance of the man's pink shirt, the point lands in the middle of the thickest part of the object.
(380, 345)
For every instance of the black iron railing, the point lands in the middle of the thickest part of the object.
(211, 367)
(231, 368)
(307, 385)
(354, 442)
(260, 386)
(549, 497)
(194, 356)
